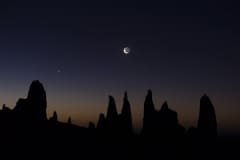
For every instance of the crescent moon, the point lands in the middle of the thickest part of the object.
(126, 50)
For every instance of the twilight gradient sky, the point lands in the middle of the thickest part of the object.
(180, 50)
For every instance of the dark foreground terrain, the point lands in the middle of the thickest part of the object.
(78, 143)
(27, 133)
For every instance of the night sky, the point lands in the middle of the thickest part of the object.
(179, 49)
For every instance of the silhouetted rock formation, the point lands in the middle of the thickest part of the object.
(38, 100)
(5, 109)
(207, 123)
(5, 119)
(160, 125)
(91, 125)
(69, 121)
(149, 118)
(126, 116)
(22, 113)
(167, 118)
(54, 118)
(167, 122)
(112, 115)
(101, 122)
(33, 109)
(162, 136)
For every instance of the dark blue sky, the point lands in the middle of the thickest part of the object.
(179, 49)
